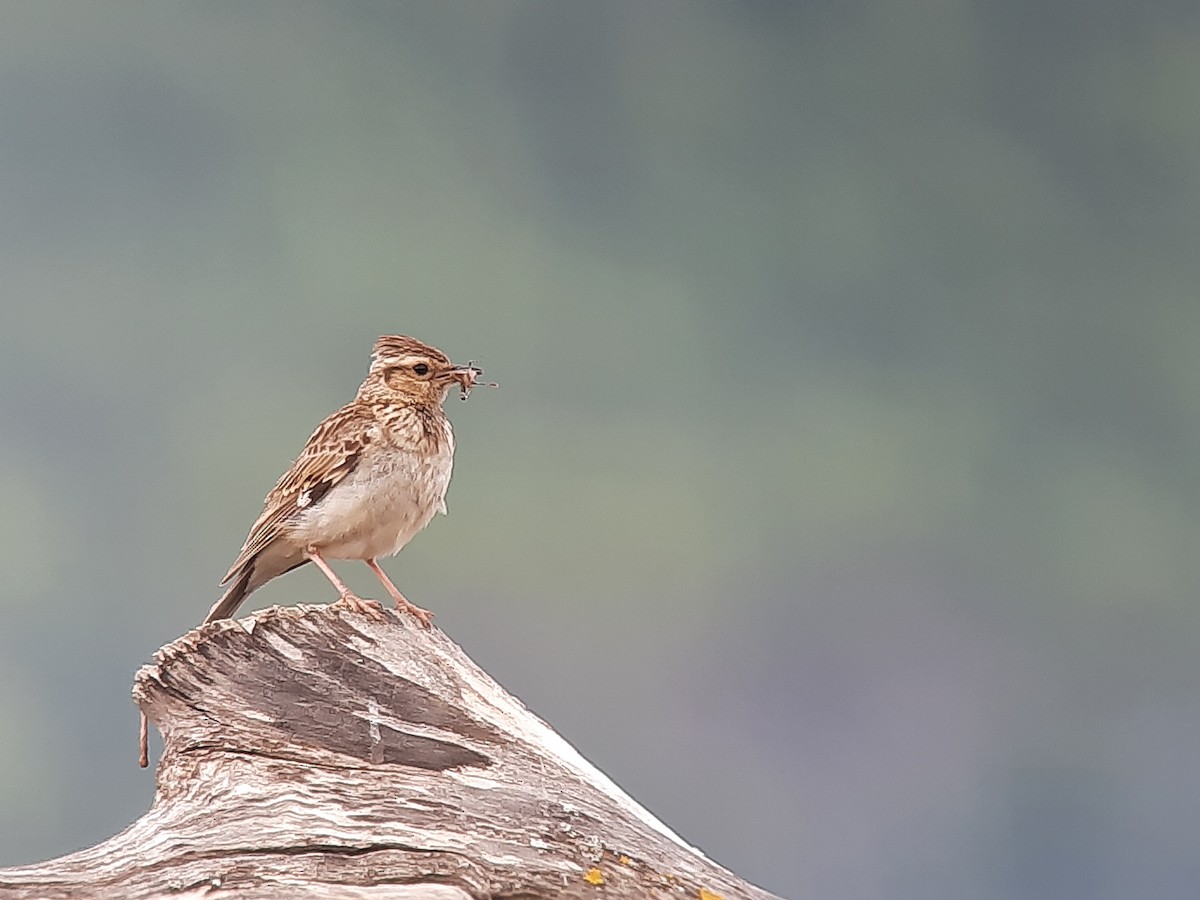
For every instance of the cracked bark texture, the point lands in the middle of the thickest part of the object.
(313, 752)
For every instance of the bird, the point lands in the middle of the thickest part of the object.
(370, 477)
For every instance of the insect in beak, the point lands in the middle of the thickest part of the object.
(468, 378)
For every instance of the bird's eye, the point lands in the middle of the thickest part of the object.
(421, 369)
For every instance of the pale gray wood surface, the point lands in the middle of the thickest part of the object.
(313, 752)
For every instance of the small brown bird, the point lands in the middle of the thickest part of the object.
(371, 476)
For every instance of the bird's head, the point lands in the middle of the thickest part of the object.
(405, 369)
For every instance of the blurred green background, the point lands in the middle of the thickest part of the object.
(839, 499)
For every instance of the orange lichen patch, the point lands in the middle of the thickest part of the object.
(624, 860)
(709, 895)
(594, 876)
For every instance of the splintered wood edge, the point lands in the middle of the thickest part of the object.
(147, 679)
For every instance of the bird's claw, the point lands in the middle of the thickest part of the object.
(424, 616)
(370, 608)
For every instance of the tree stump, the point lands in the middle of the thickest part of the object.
(314, 752)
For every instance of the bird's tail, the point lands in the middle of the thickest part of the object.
(233, 597)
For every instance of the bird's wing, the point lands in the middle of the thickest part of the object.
(329, 456)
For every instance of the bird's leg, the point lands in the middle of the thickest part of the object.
(346, 597)
(424, 616)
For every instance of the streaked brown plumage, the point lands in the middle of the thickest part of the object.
(372, 475)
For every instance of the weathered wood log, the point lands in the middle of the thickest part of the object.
(314, 752)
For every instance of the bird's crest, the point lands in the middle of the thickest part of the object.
(394, 348)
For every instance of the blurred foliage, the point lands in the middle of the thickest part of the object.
(839, 498)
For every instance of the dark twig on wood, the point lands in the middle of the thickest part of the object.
(313, 752)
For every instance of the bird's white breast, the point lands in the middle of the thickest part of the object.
(378, 508)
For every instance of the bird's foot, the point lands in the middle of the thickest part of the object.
(424, 616)
(371, 608)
